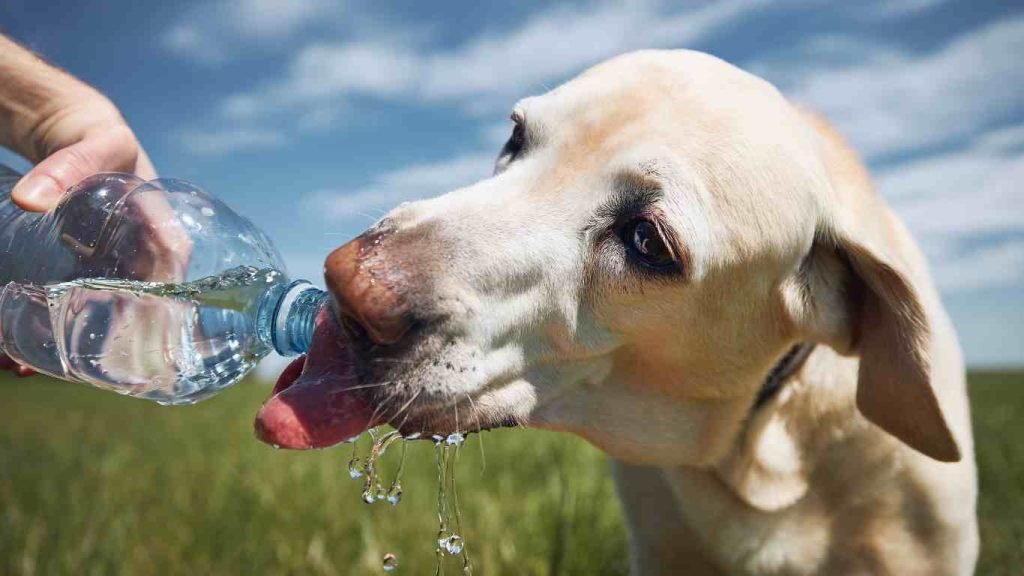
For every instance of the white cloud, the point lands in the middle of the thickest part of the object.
(220, 142)
(189, 40)
(491, 69)
(209, 32)
(997, 266)
(319, 118)
(408, 183)
(560, 42)
(262, 19)
(966, 192)
(966, 209)
(894, 8)
(327, 70)
(892, 101)
(496, 134)
(1005, 139)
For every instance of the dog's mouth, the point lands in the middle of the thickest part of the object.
(316, 402)
(321, 399)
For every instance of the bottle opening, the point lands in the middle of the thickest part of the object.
(295, 317)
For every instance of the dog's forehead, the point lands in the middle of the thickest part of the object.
(727, 148)
(651, 82)
(592, 101)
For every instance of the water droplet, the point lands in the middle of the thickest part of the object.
(395, 494)
(92, 335)
(454, 545)
(413, 436)
(355, 468)
(369, 497)
(207, 211)
(455, 439)
(389, 563)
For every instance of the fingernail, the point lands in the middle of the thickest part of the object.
(35, 192)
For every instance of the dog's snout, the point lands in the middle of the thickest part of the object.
(368, 289)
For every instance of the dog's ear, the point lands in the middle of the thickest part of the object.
(860, 300)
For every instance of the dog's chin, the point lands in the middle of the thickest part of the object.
(321, 399)
(435, 423)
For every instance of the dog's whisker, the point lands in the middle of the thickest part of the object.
(480, 436)
(382, 406)
(398, 361)
(408, 403)
(375, 385)
(369, 217)
(402, 423)
(455, 406)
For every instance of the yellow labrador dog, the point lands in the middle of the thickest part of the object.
(677, 264)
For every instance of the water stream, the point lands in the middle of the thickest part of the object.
(449, 534)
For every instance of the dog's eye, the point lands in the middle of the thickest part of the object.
(644, 243)
(516, 142)
(514, 147)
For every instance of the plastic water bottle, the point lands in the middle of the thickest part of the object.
(151, 289)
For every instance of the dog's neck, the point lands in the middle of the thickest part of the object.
(786, 367)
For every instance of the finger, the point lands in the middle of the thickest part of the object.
(6, 363)
(144, 166)
(111, 150)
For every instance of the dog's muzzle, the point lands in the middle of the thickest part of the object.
(369, 289)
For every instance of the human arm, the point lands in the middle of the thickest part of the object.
(66, 128)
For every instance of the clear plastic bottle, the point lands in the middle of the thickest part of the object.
(151, 289)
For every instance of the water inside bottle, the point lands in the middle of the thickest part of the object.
(170, 342)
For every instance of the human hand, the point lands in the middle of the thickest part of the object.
(70, 131)
(80, 140)
(81, 134)
(76, 140)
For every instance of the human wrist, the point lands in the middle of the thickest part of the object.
(32, 92)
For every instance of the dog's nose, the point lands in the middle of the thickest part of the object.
(365, 287)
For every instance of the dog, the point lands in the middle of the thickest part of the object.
(679, 265)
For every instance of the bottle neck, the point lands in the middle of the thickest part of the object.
(294, 317)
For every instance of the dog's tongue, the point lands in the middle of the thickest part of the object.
(313, 404)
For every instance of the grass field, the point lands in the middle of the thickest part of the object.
(92, 483)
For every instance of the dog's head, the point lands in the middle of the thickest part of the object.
(656, 234)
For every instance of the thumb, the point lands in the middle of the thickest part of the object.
(112, 150)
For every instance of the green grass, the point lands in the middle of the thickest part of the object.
(95, 483)
(91, 483)
(997, 403)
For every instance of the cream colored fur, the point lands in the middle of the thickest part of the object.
(781, 240)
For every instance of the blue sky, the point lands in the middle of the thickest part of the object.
(313, 117)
